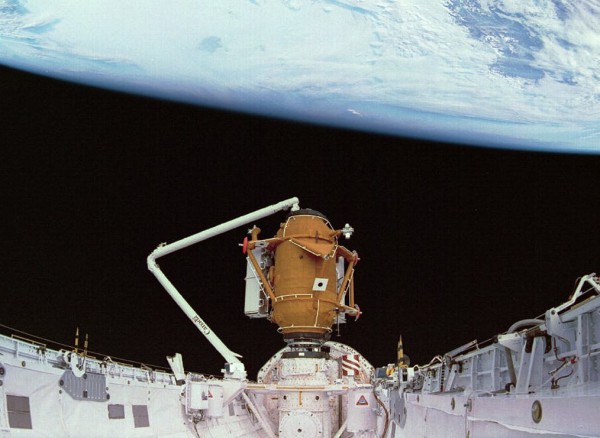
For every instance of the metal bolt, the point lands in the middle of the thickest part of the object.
(536, 411)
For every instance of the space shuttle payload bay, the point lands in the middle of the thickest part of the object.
(540, 377)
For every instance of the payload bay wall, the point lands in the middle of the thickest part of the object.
(540, 377)
(58, 393)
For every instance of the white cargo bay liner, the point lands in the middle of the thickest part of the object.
(33, 372)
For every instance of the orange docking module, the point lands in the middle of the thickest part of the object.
(299, 278)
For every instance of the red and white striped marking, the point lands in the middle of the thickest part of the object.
(350, 365)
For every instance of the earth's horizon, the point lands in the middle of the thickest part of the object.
(495, 73)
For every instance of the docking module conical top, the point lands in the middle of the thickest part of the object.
(299, 278)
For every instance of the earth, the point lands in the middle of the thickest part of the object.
(499, 73)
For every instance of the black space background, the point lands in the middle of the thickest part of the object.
(456, 242)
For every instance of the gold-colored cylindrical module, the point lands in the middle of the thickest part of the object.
(304, 277)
